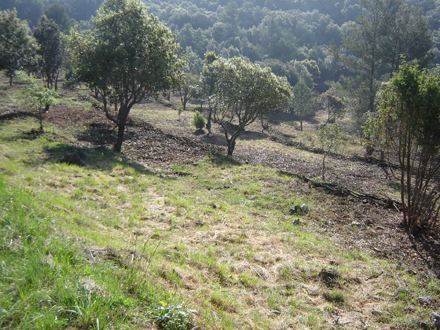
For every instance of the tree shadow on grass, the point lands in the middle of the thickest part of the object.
(32, 134)
(15, 115)
(425, 242)
(99, 158)
(215, 139)
(252, 136)
(223, 160)
(98, 134)
(287, 117)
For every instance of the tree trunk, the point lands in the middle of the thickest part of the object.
(371, 83)
(10, 79)
(40, 115)
(56, 82)
(231, 141)
(231, 146)
(301, 124)
(208, 124)
(118, 145)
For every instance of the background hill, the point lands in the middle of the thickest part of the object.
(294, 38)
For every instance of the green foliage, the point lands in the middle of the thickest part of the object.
(57, 13)
(385, 31)
(128, 56)
(407, 125)
(208, 74)
(198, 121)
(51, 49)
(190, 84)
(303, 102)
(17, 47)
(208, 79)
(245, 92)
(38, 95)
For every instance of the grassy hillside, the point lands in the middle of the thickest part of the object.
(150, 241)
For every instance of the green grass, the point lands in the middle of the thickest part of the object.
(48, 281)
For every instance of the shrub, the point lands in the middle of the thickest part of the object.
(199, 121)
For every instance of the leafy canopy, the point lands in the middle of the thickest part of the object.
(17, 47)
(128, 56)
(244, 92)
(51, 49)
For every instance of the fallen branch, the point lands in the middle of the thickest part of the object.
(342, 191)
(373, 276)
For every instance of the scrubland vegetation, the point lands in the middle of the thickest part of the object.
(311, 200)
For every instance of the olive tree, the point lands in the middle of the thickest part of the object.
(408, 127)
(243, 93)
(127, 56)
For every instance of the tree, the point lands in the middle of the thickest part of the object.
(208, 83)
(198, 121)
(408, 126)
(17, 47)
(188, 88)
(190, 85)
(51, 50)
(303, 102)
(128, 56)
(243, 93)
(333, 105)
(411, 39)
(57, 12)
(385, 31)
(367, 42)
(329, 137)
(38, 95)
